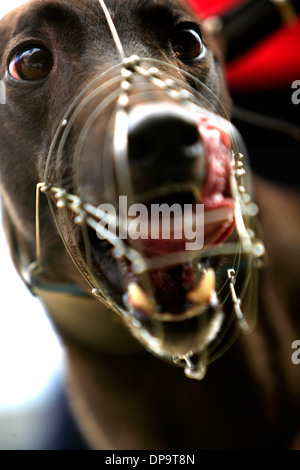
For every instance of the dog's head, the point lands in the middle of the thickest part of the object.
(118, 111)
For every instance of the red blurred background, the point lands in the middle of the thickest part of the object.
(274, 63)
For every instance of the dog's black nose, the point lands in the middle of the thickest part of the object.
(164, 146)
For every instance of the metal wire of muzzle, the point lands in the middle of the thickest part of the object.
(65, 196)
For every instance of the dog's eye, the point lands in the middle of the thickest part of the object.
(186, 42)
(31, 64)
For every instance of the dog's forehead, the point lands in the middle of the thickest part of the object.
(33, 13)
(84, 24)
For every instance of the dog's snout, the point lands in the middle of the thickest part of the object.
(165, 134)
(164, 141)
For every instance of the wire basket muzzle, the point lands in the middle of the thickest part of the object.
(110, 138)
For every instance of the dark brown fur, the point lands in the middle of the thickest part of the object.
(250, 397)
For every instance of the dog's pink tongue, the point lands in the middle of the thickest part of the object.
(218, 166)
(215, 194)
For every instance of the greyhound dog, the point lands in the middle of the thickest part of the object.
(125, 101)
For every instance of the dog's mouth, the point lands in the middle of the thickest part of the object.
(204, 218)
(164, 281)
(169, 284)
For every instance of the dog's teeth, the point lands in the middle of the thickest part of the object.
(138, 299)
(206, 286)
